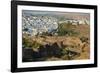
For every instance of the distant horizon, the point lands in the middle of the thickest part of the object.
(69, 15)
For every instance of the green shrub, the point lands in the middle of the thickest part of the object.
(66, 29)
(29, 43)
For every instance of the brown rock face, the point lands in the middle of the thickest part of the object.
(73, 43)
(58, 48)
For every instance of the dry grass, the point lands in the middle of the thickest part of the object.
(68, 41)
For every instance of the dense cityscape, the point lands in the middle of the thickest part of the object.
(35, 24)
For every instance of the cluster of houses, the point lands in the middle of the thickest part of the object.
(34, 25)
(75, 22)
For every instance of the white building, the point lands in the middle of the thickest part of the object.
(40, 23)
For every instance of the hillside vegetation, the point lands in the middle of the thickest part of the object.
(68, 42)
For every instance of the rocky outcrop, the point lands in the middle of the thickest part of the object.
(57, 47)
